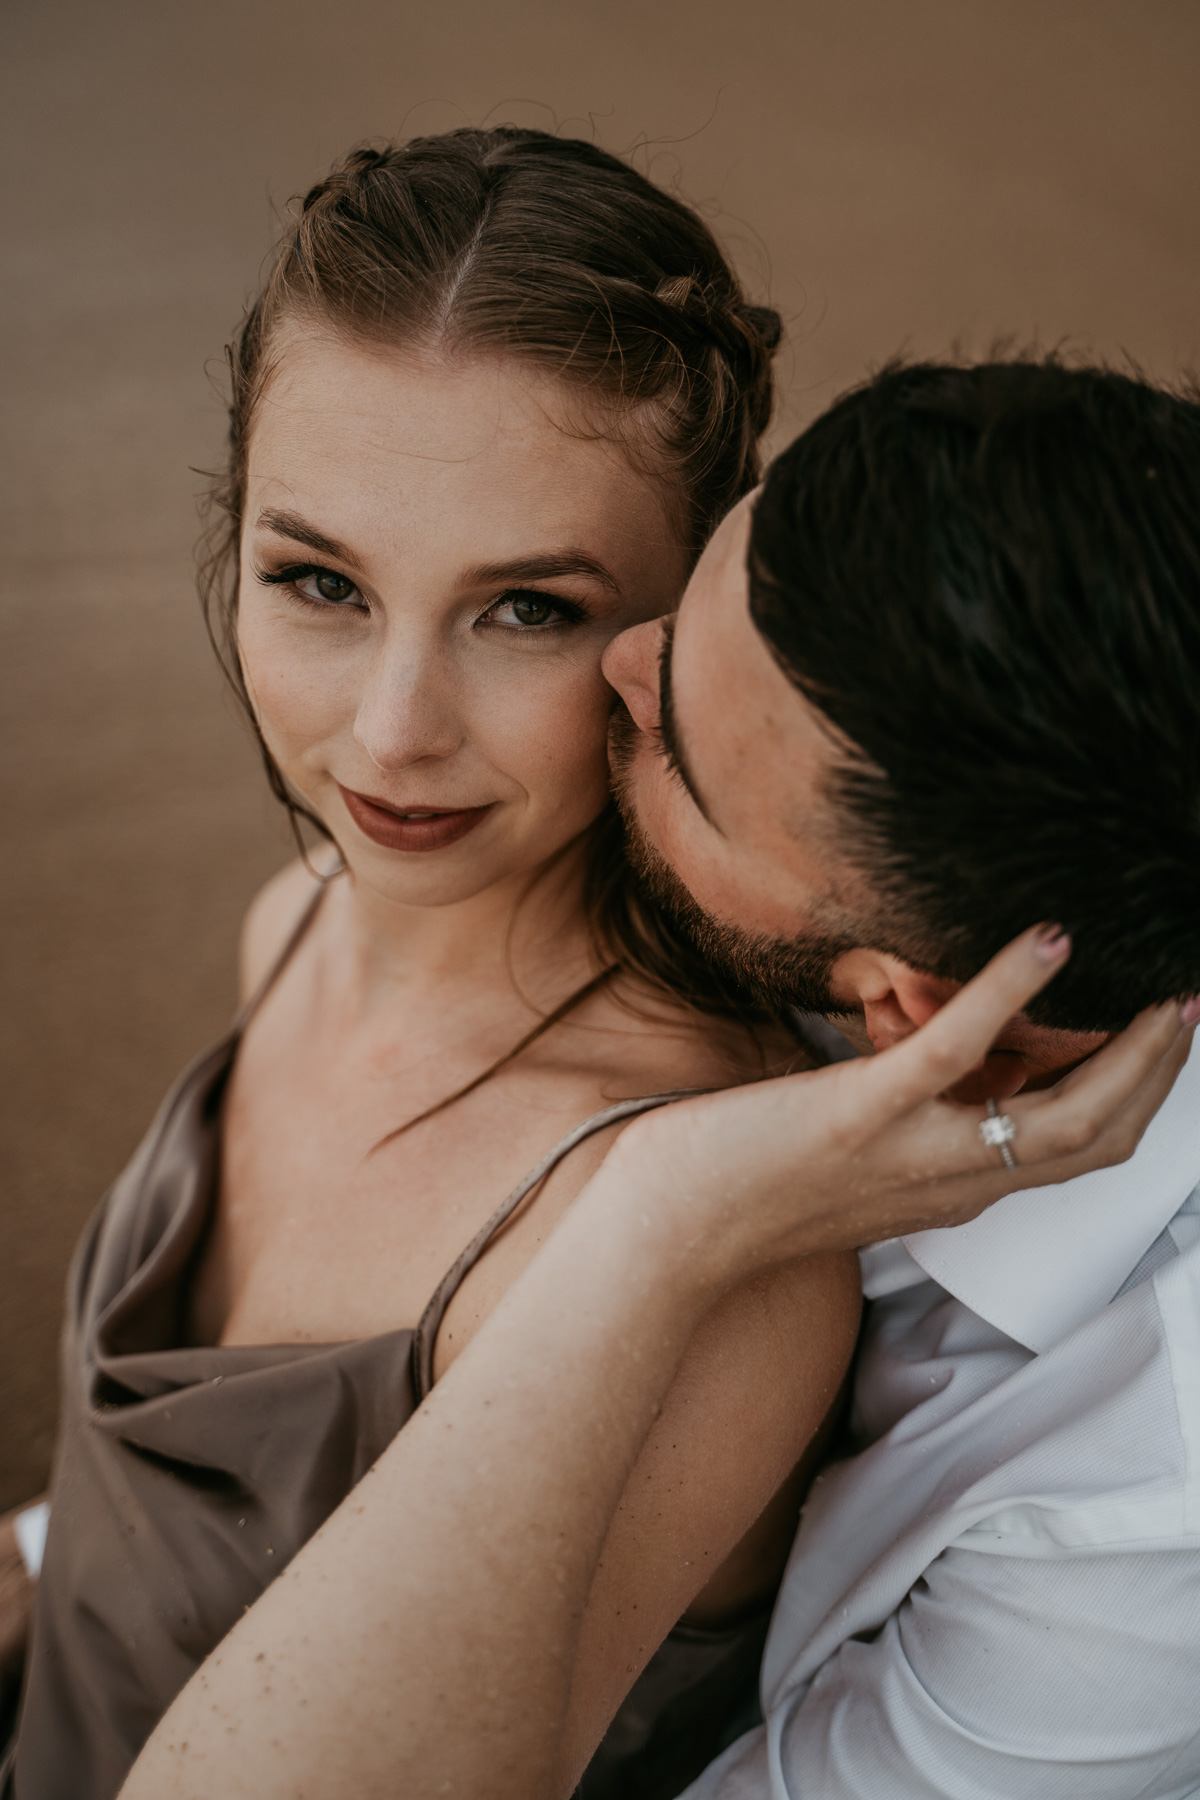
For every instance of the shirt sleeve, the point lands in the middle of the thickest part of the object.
(1000, 1677)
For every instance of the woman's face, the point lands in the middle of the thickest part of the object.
(434, 557)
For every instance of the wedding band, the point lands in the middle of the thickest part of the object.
(997, 1131)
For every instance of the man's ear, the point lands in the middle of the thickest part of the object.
(894, 998)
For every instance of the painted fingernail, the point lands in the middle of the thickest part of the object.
(1051, 944)
(1189, 1012)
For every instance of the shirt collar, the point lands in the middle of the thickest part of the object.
(1040, 1262)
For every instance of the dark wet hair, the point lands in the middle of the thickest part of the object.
(548, 249)
(988, 578)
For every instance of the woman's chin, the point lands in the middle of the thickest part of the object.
(440, 878)
(448, 876)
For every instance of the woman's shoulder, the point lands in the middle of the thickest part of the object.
(270, 919)
(666, 1044)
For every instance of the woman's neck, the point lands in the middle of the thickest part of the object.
(525, 935)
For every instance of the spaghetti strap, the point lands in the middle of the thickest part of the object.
(425, 1335)
(295, 938)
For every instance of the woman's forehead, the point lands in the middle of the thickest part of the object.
(356, 422)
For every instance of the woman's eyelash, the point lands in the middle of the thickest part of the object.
(294, 573)
(561, 610)
(566, 612)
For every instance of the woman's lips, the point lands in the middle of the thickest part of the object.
(420, 828)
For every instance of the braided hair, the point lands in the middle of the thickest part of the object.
(515, 242)
(547, 248)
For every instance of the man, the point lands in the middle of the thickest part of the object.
(988, 583)
(962, 698)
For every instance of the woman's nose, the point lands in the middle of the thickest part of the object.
(630, 664)
(406, 713)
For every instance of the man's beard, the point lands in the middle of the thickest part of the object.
(774, 972)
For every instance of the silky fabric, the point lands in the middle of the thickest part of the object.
(187, 1476)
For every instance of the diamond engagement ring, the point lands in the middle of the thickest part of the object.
(997, 1131)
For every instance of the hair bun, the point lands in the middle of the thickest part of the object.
(766, 321)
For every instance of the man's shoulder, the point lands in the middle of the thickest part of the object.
(1034, 1515)
(1094, 1441)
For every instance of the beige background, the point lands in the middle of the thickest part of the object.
(893, 174)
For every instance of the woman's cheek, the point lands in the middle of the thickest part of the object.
(576, 741)
(300, 693)
(551, 737)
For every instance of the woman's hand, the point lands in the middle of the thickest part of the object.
(868, 1150)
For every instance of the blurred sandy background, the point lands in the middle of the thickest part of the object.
(890, 173)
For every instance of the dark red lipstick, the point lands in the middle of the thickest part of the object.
(410, 828)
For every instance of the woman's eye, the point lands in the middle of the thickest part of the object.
(327, 585)
(532, 609)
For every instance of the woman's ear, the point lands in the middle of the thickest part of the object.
(895, 999)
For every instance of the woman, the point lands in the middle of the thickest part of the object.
(495, 395)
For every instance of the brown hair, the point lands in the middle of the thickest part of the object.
(548, 249)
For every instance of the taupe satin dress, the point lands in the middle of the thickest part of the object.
(187, 1477)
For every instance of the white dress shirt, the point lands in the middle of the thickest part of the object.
(997, 1597)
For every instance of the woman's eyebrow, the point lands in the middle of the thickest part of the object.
(545, 567)
(291, 525)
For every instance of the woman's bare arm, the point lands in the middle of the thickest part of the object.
(758, 1380)
(426, 1641)
(707, 1517)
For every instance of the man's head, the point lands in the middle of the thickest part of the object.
(964, 697)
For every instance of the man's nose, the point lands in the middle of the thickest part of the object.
(630, 664)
